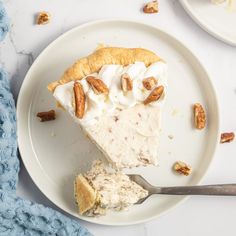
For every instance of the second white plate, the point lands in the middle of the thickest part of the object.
(218, 20)
(54, 152)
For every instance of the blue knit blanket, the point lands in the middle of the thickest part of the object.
(19, 216)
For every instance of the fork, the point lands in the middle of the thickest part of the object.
(217, 190)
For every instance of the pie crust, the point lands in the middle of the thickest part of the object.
(105, 56)
(85, 195)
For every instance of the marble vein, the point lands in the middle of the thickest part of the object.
(29, 55)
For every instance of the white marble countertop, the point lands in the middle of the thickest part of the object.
(198, 215)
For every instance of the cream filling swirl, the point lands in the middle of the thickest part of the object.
(99, 105)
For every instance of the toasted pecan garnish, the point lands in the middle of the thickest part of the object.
(79, 100)
(97, 85)
(149, 83)
(126, 83)
(43, 18)
(47, 115)
(182, 168)
(199, 116)
(227, 137)
(151, 7)
(154, 95)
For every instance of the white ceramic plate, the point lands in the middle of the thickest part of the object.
(54, 152)
(217, 20)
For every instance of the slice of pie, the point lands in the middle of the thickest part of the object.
(116, 96)
(102, 189)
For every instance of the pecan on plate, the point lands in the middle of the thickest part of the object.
(47, 115)
(151, 7)
(182, 168)
(199, 116)
(227, 137)
(43, 18)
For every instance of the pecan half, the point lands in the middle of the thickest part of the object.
(79, 100)
(182, 168)
(199, 116)
(43, 18)
(126, 83)
(47, 115)
(151, 7)
(227, 137)
(154, 95)
(149, 83)
(97, 85)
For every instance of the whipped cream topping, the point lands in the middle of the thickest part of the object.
(98, 105)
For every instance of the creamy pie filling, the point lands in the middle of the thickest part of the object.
(115, 190)
(126, 130)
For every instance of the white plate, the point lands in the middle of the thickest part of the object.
(217, 20)
(54, 152)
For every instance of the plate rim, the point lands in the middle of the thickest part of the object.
(116, 20)
(210, 30)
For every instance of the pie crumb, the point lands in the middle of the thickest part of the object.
(101, 45)
(175, 112)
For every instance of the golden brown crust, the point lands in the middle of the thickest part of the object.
(105, 56)
(85, 195)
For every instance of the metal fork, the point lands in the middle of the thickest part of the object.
(217, 190)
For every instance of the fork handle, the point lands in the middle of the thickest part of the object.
(220, 190)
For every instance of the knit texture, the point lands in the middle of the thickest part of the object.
(19, 217)
(4, 22)
(22, 217)
(9, 163)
